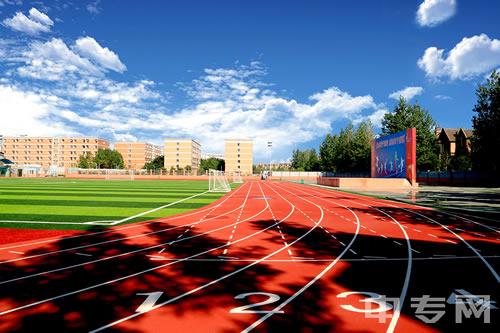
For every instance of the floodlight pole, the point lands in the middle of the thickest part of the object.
(270, 146)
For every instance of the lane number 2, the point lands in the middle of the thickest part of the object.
(271, 298)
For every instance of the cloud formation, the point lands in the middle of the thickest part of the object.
(88, 47)
(433, 12)
(471, 57)
(54, 60)
(33, 24)
(407, 93)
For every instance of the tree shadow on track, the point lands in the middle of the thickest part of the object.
(99, 306)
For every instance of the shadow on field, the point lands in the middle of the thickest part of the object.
(89, 302)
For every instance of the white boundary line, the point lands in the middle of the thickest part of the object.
(492, 270)
(404, 291)
(110, 257)
(227, 275)
(321, 274)
(146, 270)
(135, 225)
(110, 222)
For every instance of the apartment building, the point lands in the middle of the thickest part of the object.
(180, 153)
(239, 156)
(49, 151)
(136, 154)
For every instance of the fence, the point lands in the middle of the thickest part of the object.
(457, 178)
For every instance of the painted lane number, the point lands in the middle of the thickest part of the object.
(271, 298)
(371, 298)
(149, 302)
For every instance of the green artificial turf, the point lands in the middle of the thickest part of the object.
(75, 200)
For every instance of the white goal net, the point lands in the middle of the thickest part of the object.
(237, 177)
(217, 181)
(120, 174)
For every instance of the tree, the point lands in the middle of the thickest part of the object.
(157, 163)
(212, 163)
(412, 115)
(348, 151)
(108, 159)
(86, 161)
(486, 126)
(305, 160)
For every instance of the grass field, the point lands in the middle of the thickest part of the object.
(79, 201)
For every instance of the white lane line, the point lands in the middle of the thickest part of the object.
(432, 235)
(399, 305)
(227, 275)
(341, 243)
(119, 229)
(83, 254)
(203, 219)
(120, 254)
(161, 251)
(352, 251)
(473, 249)
(397, 242)
(238, 219)
(16, 252)
(310, 283)
(374, 257)
(29, 305)
(383, 236)
(415, 251)
(416, 230)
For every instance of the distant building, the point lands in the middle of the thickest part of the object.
(206, 156)
(274, 166)
(239, 156)
(453, 140)
(180, 153)
(136, 154)
(49, 151)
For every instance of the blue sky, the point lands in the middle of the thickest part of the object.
(285, 71)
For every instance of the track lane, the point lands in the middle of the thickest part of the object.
(435, 273)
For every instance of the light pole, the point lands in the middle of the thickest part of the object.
(270, 147)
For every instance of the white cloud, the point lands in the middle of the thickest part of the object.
(40, 17)
(471, 57)
(443, 97)
(433, 12)
(33, 24)
(28, 113)
(52, 60)
(94, 8)
(407, 93)
(104, 57)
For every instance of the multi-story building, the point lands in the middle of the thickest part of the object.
(50, 151)
(239, 156)
(136, 154)
(180, 153)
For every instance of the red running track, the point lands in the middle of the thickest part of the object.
(267, 257)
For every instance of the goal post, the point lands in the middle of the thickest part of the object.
(120, 174)
(217, 181)
(237, 177)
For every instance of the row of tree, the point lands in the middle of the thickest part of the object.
(350, 149)
(104, 159)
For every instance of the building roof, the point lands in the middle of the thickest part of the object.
(450, 133)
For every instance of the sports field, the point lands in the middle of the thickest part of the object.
(83, 204)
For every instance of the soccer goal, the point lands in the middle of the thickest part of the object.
(237, 177)
(120, 174)
(217, 181)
